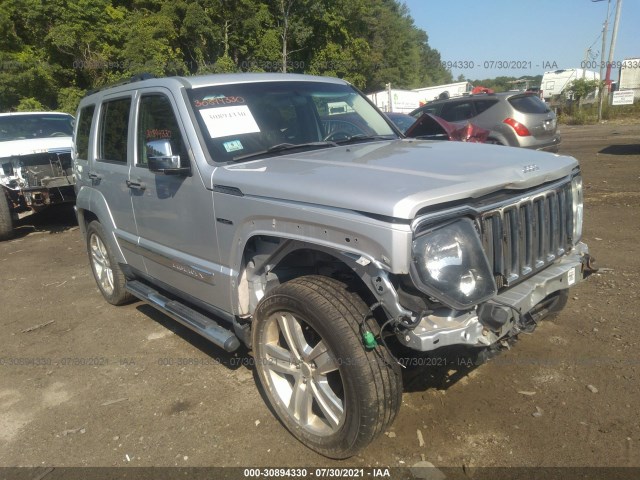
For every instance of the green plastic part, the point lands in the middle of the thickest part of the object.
(369, 340)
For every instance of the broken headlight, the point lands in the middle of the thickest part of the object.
(450, 265)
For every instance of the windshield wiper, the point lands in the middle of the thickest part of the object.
(360, 137)
(283, 147)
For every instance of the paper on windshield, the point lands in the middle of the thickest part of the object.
(227, 121)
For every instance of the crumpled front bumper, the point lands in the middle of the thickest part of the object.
(448, 327)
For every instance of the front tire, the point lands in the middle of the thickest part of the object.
(330, 392)
(106, 271)
(6, 217)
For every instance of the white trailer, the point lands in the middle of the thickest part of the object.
(394, 100)
(428, 94)
(555, 82)
(630, 76)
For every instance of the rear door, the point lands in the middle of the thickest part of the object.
(174, 213)
(109, 171)
(458, 111)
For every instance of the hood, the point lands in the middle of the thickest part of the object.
(16, 148)
(396, 178)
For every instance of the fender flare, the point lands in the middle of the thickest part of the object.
(91, 200)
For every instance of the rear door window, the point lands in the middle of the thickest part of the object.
(114, 130)
(529, 104)
(457, 111)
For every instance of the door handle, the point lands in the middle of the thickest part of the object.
(136, 185)
(94, 176)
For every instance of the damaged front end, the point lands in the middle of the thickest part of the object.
(484, 273)
(35, 181)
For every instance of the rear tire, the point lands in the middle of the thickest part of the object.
(6, 217)
(330, 392)
(106, 271)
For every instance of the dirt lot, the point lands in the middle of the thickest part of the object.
(83, 383)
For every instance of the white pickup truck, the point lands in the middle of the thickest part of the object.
(35, 164)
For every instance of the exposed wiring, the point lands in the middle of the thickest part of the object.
(384, 342)
(363, 323)
(365, 328)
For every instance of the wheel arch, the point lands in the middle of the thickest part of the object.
(497, 138)
(269, 260)
(91, 205)
(504, 134)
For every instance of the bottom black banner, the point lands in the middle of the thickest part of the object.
(269, 473)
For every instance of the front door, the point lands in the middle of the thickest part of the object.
(174, 213)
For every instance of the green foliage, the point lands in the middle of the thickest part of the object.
(588, 114)
(581, 87)
(580, 116)
(53, 52)
(224, 65)
(69, 98)
(611, 112)
(29, 105)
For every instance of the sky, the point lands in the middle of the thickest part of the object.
(488, 39)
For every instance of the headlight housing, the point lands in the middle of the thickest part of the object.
(450, 265)
(578, 208)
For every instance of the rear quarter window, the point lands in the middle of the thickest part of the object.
(529, 104)
(82, 135)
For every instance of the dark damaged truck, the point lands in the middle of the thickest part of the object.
(35, 161)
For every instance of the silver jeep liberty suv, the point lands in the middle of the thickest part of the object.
(286, 213)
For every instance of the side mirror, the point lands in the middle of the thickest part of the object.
(161, 159)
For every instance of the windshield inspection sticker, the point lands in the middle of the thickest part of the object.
(233, 146)
(227, 121)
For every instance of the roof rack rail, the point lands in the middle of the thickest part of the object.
(138, 77)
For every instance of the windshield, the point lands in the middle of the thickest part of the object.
(252, 118)
(22, 127)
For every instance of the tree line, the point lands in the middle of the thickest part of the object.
(53, 51)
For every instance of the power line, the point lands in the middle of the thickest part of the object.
(600, 33)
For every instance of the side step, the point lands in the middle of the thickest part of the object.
(186, 316)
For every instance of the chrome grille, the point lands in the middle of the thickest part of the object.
(526, 236)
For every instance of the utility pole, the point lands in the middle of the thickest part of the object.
(587, 57)
(604, 39)
(614, 36)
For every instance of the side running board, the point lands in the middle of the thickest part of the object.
(186, 316)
